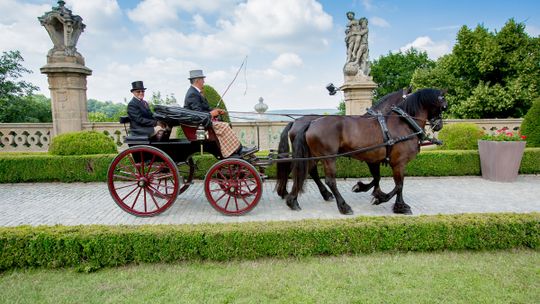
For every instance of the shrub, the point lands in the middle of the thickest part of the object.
(530, 127)
(460, 136)
(82, 143)
(92, 247)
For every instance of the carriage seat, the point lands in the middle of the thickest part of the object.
(188, 120)
(125, 120)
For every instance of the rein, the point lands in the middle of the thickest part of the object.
(388, 140)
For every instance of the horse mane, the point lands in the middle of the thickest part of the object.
(414, 102)
(381, 102)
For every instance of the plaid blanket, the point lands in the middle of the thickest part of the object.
(228, 141)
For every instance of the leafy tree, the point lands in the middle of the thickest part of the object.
(341, 108)
(156, 99)
(31, 108)
(488, 74)
(11, 70)
(395, 70)
(17, 104)
(99, 111)
(215, 101)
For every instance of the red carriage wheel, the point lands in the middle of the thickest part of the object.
(186, 170)
(143, 181)
(233, 186)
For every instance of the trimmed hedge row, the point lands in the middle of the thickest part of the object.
(88, 168)
(92, 247)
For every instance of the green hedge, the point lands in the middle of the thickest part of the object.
(92, 247)
(87, 168)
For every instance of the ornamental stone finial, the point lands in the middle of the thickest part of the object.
(261, 107)
(64, 28)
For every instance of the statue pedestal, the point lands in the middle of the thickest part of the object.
(67, 83)
(358, 95)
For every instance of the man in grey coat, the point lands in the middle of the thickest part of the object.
(195, 100)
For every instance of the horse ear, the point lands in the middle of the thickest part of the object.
(444, 91)
(407, 90)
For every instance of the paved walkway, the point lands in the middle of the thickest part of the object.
(90, 203)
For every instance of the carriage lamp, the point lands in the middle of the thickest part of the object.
(200, 133)
(332, 90)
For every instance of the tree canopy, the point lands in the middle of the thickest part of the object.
(395, 70)
(17, 101)
(488, 74)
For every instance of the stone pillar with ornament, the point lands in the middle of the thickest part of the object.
(358, 85)
(65, 70)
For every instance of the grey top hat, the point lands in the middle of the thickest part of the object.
(137, 85)
(196, 74)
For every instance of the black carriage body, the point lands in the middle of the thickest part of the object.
(177, 149)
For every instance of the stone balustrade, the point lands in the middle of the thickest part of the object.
(35, 137)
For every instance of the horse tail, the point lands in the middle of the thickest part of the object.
(300, 168)
(283, 169)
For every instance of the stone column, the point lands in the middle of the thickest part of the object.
(65, 70)
(358, 96)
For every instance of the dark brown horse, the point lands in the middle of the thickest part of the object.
(289, 133)
(363, 139)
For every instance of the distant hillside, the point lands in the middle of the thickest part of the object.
(274, 115)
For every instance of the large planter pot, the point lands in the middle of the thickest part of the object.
(500, 160)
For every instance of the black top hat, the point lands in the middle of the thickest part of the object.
(137, 85)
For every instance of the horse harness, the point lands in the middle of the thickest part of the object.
(389, 142)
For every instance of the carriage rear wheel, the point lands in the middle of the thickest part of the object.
(144, 181)
(233, 186)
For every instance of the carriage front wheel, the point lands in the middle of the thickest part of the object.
(143, 181)
(233, 186)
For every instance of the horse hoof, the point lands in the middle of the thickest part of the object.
(295, 208)
(293, 205)
(346, 212)
(328, 197)
(402, 209)
(375, 201)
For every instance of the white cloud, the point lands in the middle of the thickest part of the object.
(424, 43)
(200, 24)
(277, 24)
(164, 13)
(153, 13)
(532, 30)
(169, 42)
(378, 21)
(287, 60)
(166, 75)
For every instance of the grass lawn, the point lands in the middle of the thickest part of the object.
(447, 277)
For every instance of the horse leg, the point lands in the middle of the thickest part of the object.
(400, 206)
(361, 187)
(327, 195)
(378, 195)
(330, 179)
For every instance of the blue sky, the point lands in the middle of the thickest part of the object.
(294, 47)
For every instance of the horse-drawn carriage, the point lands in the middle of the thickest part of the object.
(146, 178)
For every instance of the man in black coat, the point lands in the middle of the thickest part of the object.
(142, 121)
(196, 101)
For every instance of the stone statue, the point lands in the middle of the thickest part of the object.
(64, 28)
(356, 40)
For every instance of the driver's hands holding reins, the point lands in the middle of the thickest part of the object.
(217, 112)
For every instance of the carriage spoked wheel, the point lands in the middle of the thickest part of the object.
(233, 186)
(144, 181)
(186, 173)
